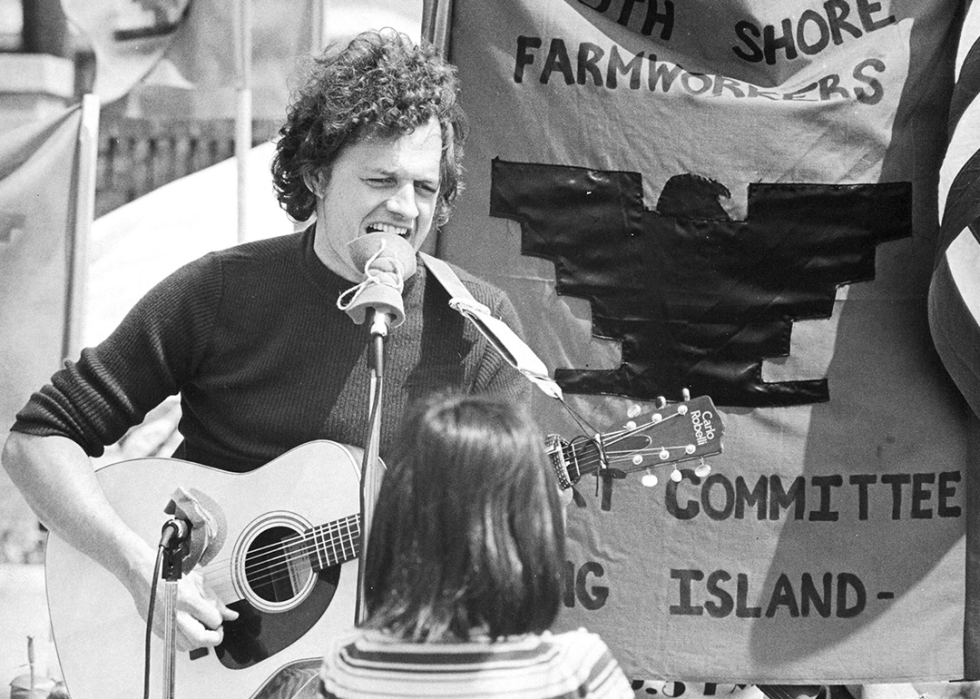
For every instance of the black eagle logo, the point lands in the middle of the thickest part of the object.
(698, 300)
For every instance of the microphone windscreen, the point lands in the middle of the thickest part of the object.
(396, 251)
(386, 260)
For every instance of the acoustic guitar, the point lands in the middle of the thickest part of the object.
(284, 555)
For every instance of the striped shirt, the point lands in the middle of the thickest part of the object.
(550, 666)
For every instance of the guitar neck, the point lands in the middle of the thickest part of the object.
(670, 434)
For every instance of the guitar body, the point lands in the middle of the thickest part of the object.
(287, 614)
(283, 555)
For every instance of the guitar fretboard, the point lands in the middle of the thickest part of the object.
(336, 542)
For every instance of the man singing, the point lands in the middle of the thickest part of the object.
(252, 338)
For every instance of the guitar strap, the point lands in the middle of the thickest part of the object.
(504, 340)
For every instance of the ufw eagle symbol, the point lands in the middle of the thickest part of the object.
(698, 300)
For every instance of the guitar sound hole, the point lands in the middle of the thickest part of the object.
(276, 566)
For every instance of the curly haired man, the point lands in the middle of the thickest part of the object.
(251, 337)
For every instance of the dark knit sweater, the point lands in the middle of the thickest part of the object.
(252, 339)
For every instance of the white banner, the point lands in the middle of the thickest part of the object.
(737, 199)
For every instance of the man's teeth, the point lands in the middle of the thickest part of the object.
(386, 228)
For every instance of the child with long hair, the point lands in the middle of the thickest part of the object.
(463, 569)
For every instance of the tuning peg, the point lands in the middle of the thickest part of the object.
(686, 394)
(661, 402)
(633, 410)
(664, 454)
(648, 480)
(675, 475)
(702, 469)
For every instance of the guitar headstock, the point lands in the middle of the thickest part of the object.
(677, 432)
(671, 433)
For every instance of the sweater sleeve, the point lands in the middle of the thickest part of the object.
(148, 357)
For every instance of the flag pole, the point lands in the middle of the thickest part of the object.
(436, 18)
(318, 15)
(84, 214)
(243, 109)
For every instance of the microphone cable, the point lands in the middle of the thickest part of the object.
(149, 621)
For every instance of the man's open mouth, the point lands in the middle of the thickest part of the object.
(388, 228)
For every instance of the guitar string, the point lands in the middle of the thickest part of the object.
(331, 535)
(352, 522)
(276, 569)
(297, 553)
(278, 558)
(626, 458)
(267, 561)
(620, 435)
(610, 438)
(272, 572)
(334, 539)
(272, 557)
(282, 553)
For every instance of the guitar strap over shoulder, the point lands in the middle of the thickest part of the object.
(504, 340)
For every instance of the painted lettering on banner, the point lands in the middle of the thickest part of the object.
(556, 61)
(807, 33)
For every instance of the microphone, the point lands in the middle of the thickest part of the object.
(175, 532)
(387, 260)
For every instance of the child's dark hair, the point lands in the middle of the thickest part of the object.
(468, 534)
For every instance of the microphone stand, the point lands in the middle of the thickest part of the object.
(387, 260)
(371, 468)
(171, 572)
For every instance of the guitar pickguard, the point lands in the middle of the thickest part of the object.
(256, 635)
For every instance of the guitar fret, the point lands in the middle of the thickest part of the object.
(352, 543)
(348, 540)
(345, 538)
(334, 530)
(337, 542)
(343, 529)
(319, 564)
(350, 549)
(317, 531)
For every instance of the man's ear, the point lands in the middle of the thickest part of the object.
(314, 182)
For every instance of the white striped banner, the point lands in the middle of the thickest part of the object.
(954, 295)
(954, 292)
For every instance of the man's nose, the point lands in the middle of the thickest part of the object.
(403, 203)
